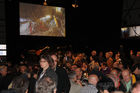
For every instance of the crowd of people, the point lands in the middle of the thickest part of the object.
(68, 72)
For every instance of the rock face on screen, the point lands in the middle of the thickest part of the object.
(39, 20)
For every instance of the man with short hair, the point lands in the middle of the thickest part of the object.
(75, 84)
(5, 78)
(127, 81)
(91, 87)
(63, 85)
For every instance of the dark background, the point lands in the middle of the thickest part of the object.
(93, 25)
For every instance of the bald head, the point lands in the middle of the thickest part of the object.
(93, 79)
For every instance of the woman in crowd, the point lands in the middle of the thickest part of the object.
(46, 75)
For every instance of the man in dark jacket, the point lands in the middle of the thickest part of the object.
(5, 78)
(63, 85)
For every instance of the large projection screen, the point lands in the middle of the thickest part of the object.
(39, 20)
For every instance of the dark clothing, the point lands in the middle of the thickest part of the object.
(5, 81)
(122, 87)
(136, 59)
(31, 88)
(101, 60)
(68, 59)
(20, 83)
(63, 80)
(8, 91)
(95, 58)
(49, 73)
(137, 77)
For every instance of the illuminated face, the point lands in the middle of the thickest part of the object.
(126, 76)
(44, 63)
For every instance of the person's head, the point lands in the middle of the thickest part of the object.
(68, 53)
(9, 64)
(107, 55)
(111, 53)
(101, 54)
(93, 53)
(115, 72)
(138, 53)
(78, 72)
(23, 68)
(93, 79)
(136, 69)
(3, 70)
(120, 66)
(136, 87)
(72, 76)
(126, 75)
(46, 61)
(54, 57)
(114, 79)
(73, 67)
(105, 86)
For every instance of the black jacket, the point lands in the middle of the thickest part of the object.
(63, 80)
(49, 73)
(5, 81)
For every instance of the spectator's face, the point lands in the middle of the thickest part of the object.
(3, 72)
(137, 71)
(54, 57)
(44, 63)
(68, 65)
(78, 72)
(93, 79)
(30, 67)
(107, 55)
(120, 66)
(73, 67)
(114, 73)
(126, 76)
(93, 53)
(23, 69)
(101, 54)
